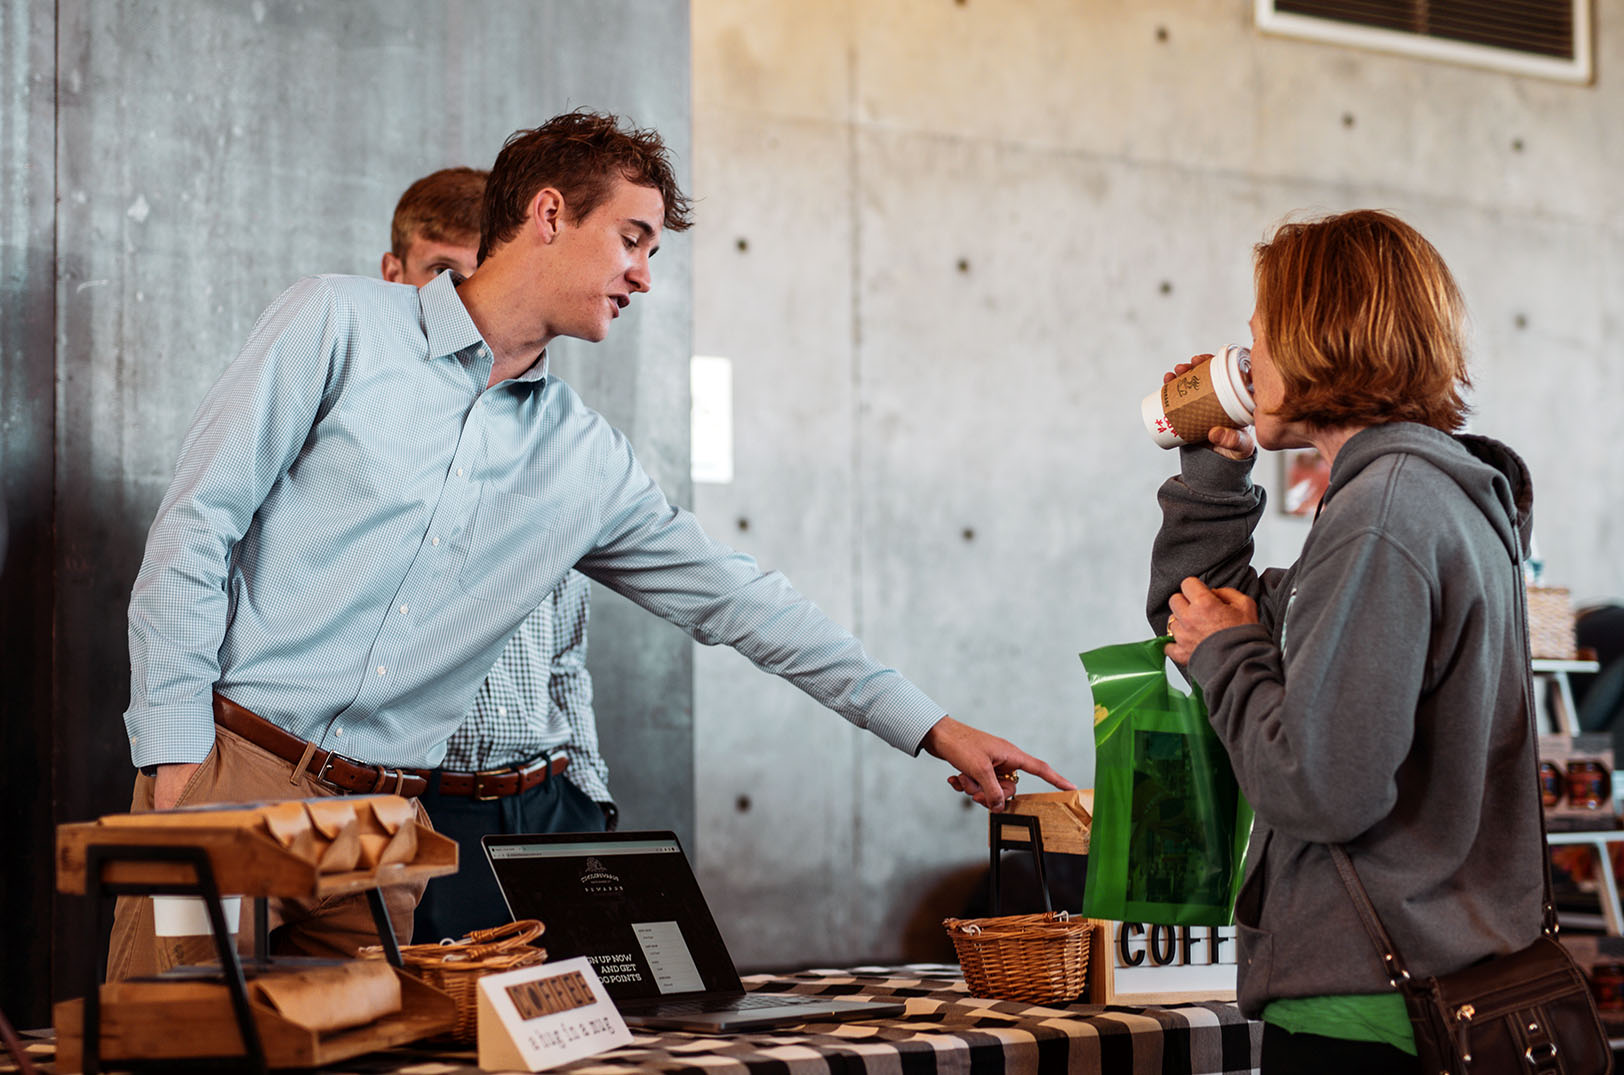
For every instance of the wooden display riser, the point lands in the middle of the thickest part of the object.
(158, 1020)
(245, 862)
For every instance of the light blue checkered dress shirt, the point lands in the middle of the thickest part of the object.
(357, 525)
(539, 697)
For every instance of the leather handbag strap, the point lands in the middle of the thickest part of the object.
(1396, 971)
(1549, 926)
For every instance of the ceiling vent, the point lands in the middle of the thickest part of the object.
(1544, 38)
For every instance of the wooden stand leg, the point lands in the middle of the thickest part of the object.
(97, 858)
(386, 930)
(1034, 840)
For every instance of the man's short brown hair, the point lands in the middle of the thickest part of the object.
(580, 154)
(1363, 321)
(442, 208)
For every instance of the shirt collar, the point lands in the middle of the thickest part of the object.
(445, 320)
(448, 327)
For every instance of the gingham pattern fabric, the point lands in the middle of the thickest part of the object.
(539, 697)
(945, 1031)
(357, 525)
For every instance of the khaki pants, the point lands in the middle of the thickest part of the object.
(238, 771)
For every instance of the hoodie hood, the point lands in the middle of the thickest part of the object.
(1492, 475)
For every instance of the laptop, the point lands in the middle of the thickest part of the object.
(629, 903)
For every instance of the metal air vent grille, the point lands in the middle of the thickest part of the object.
(1549, 38)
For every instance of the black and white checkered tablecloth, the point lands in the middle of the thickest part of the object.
(944, 1031)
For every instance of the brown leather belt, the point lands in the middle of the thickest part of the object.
(500, 783)
(334, 770)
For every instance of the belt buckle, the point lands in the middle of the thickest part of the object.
(477, 797)
(321, 774)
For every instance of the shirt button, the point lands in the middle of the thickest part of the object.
(435, 543)
(382, 670)
(405, 609)
(338, 731)
(459, 472)
(501, 711)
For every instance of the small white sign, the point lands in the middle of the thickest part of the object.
(538, 1017)
(1170, 964)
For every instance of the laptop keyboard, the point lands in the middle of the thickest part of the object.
(748, 1002)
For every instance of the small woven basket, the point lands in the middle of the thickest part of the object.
(455, 968)
(1550, 623)
(1038, 958)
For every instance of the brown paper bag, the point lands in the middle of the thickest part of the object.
(289, 825)
(1066, 818)
(337, 833)
(348, 994)
(388, 828)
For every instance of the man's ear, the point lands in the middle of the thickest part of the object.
(547, 213)
(393, 269)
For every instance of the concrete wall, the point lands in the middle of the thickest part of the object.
(202, 156)
(949, 245)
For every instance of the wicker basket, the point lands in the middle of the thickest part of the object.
(1039, 958)
(455, 968)
(1550, 623)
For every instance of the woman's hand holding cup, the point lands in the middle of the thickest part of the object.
(1237, 444)
(1234, 444)
(1202, 400)
(1184, 367)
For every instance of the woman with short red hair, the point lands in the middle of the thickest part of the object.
(1371, 694)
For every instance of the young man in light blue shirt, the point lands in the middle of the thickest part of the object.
(387, 481)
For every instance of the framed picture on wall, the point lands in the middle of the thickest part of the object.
(1304, 474)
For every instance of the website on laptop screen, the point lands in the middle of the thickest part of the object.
(631, 907)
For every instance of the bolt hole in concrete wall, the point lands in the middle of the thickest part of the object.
(1104, 169)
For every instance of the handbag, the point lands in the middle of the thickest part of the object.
(1529, 1011)
(1525, 1012)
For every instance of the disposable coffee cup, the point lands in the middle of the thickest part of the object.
(183, 933)
(1214, 392)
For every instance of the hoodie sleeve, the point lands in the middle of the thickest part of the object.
(1208, 514)
(1340, 687)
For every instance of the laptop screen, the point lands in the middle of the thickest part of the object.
(627, 901)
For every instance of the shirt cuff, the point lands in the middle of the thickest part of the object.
(170, 734)
(903, 717)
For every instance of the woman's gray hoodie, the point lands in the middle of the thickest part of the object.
(1379, 703)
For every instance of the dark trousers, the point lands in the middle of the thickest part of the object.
(469, 899)
(1285, 1053)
